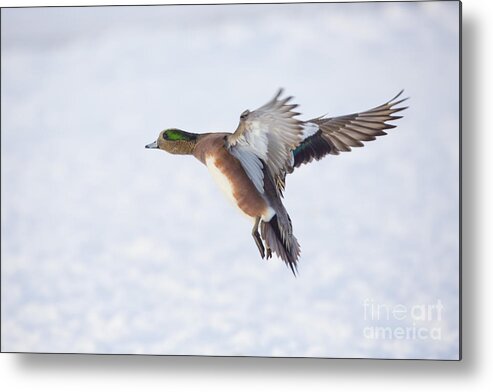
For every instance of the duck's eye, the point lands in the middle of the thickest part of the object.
(245, 114)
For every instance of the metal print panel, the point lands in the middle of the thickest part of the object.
(340, 237)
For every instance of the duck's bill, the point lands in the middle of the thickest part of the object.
(152, 145)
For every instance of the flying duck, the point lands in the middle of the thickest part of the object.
(250, 165)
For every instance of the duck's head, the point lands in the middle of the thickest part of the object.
(175, 141)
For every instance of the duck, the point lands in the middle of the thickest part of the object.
(250, 165)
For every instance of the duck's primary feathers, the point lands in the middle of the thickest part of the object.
(251, 164)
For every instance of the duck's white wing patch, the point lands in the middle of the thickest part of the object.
(309, 129)
(270, 133)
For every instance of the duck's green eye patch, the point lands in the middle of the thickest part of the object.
(177, 135)
(173, 134)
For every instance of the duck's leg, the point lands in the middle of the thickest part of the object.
(256, 237)
(269, 251)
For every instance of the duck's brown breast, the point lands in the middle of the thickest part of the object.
(233, 180)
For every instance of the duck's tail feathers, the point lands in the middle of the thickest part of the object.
(280, 239)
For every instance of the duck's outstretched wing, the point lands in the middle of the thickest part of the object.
(267, 136)
(263, 143)
(324, 136)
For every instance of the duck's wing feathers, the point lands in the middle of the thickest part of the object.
(324, 136)
(267, 136)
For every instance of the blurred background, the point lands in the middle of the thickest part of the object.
(111, 248)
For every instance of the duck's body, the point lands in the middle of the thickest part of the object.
(250, 165)
(230, 175)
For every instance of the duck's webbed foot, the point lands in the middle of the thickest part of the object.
(258, 239)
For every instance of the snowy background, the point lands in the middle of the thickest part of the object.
(111, 248)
